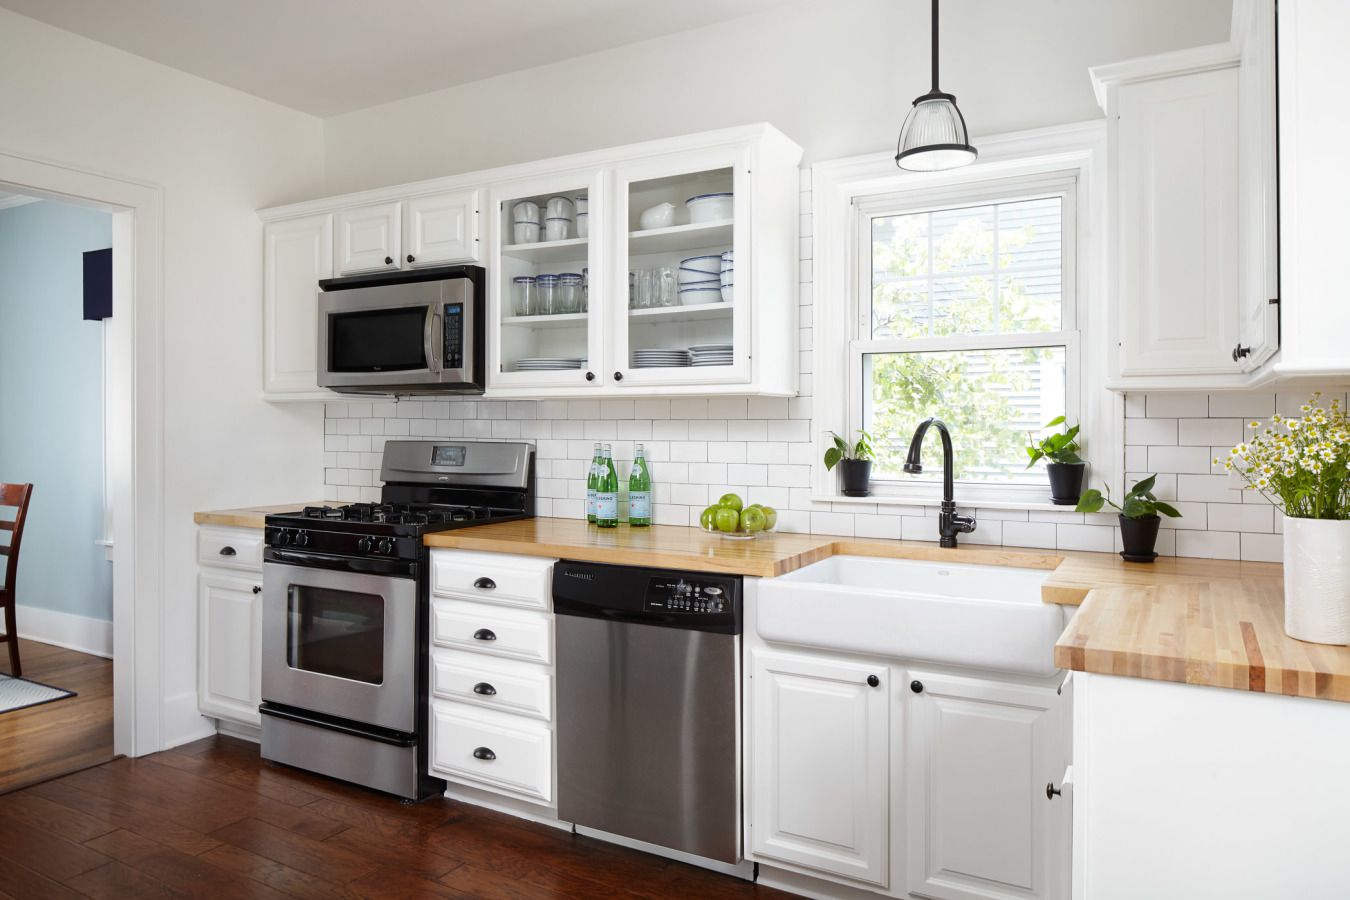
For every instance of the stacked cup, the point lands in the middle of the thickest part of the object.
(728, 275)
(525, 222)
(583, 216)
(699, 278)
(558, 219)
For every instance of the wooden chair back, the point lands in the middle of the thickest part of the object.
(15, 495)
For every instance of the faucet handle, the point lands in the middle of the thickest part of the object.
(964, 524)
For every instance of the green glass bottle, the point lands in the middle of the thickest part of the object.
(607, 492)
(592, 479)
(640, 490)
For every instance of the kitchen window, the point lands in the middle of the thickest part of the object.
(965, 309)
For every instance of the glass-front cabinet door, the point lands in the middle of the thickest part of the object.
(547, 282)
(681, 245)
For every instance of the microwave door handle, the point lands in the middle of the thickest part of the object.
(431, 339)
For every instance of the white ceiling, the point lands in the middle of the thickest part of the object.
(333, 56)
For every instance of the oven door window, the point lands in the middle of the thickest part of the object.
(378, 340)
(337, 633)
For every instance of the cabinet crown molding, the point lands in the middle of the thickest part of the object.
(1190, 61)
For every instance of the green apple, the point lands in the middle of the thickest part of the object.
(770, 517)
(707, 520)
(753, 519)
(731, 501)
(728, 520)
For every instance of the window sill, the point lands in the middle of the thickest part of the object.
(925, 500)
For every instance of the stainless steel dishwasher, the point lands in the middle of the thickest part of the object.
(649, 709)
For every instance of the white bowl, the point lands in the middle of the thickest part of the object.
(709, 264)
(558, 208)
(709, 208)
(557, 229)
(525, 211)
(727, 293)
(662, 215)
(699, 296)
(689, 277)
(728, 277)
(526, 232)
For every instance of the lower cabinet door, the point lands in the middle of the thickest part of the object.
(820, 776)
(979, 755)
(230, 646)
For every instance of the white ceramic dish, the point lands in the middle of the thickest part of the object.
(525, 211)
(583, 224)
(525, 232)
(557, 229)
(662, 215)
(709, 208)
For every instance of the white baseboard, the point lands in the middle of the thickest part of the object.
(68, 630)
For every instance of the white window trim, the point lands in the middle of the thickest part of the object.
(840, 187)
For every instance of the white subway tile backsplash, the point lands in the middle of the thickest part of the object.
(1209, 544)
(1210, 432)
(1150, 431)
(1244, 404)
(1262, 547)
(1176, 406)
(1179, 459)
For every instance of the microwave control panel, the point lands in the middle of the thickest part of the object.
(454, 336)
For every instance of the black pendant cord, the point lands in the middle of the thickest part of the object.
(935, 46)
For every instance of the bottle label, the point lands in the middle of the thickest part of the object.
(639, 505)
(590, 503)
(606, 505)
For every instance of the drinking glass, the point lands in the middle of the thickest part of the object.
(665, 286)
(546, 290)
(567, 296)
(523, 293)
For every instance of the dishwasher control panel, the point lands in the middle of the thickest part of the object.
(687, 595)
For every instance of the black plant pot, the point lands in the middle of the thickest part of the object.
(1066, 482)
(1139, 536)
(855, 477)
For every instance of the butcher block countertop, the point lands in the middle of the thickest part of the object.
(249, 516)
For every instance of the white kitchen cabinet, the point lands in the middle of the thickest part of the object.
(297, 252)
(230, 645)
(441, 229)
(819, 791)
(1258, 187)
(369, 238)
(1172, 127)
(978, 757)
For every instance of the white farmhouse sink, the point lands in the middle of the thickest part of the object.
(982, 617)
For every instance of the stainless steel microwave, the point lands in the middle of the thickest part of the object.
(403, 332)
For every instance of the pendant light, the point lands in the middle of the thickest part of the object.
(934, 134)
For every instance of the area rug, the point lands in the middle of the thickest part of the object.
(19, 693)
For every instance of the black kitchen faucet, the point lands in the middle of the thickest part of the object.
(949, 523)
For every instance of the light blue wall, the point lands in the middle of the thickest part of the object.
(51, 431)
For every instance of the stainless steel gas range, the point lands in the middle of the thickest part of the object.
(345, 611)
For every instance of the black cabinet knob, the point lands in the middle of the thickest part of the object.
(618, 376)
(257, 589)
(411, 258)
(484, 689)
(483, 753)
(916, 687)
(1240, 352)
(873, 681)
(484, 634)
(227, 551)
(485, 584)
(1051, 792)
(590, 376)
(388, 260)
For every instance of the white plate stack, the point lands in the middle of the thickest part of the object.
(711, 355)
(656, 358)
(549, 363)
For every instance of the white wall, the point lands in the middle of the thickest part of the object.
(51, 406)
(837, 76)
(218, 155)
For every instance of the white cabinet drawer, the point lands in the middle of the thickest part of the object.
(498, 684)
(231, 548)
(493, 578)
(508, 754)
(513, 633)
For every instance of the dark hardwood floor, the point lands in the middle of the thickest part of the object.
(40, 742)
(211, 819)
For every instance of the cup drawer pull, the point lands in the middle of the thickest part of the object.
(484, 689)
(484, 634)
(484, 753)
(485, 584)
(227, 551)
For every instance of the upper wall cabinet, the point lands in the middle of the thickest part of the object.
(659, 269)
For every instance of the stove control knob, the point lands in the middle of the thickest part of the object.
(364, 545)
(302, 539)
(386, 546)
(283, 538)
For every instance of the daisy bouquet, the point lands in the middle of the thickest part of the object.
(1302, 465)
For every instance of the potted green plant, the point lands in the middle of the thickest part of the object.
(1063, 464)
(1302, 465)
(1138, 517)
(854, 462)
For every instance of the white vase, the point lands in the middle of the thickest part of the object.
(1317, 580)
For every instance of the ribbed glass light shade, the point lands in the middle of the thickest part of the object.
(934, 136)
